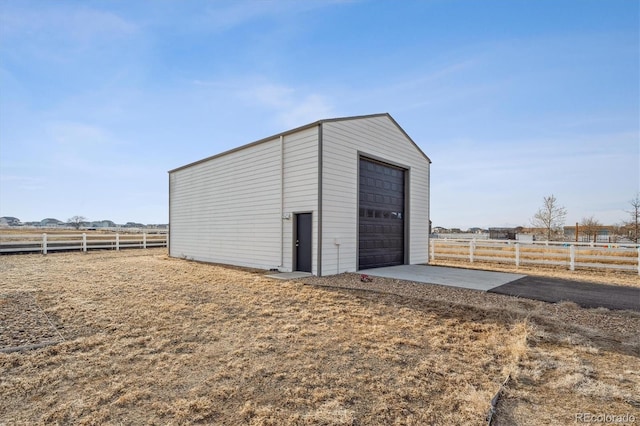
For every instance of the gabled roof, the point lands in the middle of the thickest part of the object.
(384, 114)
(306, 126)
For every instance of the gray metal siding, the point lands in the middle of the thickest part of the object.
(377, 137)
(227, 210)
(300, 188)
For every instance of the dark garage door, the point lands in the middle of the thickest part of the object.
(381, 228)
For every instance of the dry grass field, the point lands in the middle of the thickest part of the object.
(146, 339)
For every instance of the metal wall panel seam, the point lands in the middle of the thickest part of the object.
(319, 261)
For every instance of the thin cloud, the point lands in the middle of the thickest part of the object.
(290, 106)
(308, 109)
(221, 17)
(73, 135)
(273, 95)
(81, 25)
(23, 183)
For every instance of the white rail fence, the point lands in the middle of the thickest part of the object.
(571, 255)
(45, 243)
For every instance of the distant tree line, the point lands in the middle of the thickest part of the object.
(77, 222)
(548, 223)
(551, 217)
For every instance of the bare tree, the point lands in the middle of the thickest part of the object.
(76, 221)
(590, 227)
(635, 217)
(617, 229)
(550, 216)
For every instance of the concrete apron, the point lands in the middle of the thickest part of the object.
(452, 277)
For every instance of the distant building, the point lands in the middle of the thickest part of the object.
(158, 226)
(133, 225)
(476, 230)
(526, 238)
(10, 221)
(103, 224)
(51, 223)
(603, 234)
(503, 233)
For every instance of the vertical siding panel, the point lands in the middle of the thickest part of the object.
(300, 188)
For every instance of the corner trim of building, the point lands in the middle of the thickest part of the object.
(320, 150)
(169, 220)
(407, 216)
(429, 211)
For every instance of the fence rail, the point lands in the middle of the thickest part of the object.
(571, 255)
(45, 243)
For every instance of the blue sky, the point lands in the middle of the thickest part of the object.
(512, 100)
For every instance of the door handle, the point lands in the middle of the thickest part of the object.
(297, 243)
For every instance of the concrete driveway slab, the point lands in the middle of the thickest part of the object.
(453, 277)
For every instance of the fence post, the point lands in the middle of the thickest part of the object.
(433, 249)
(117, 241)
(84, 242)
(44, 243)
(638, 260)
(144, 240)
(517, 255)
(572, 257)
(472, 246)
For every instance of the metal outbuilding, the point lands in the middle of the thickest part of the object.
(336, 195)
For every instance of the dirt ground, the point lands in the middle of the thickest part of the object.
(136, 337)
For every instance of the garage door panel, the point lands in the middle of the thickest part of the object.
(381, 230)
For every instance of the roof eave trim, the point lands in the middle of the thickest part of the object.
(249, 145)
(409, 138)
(297, 129)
